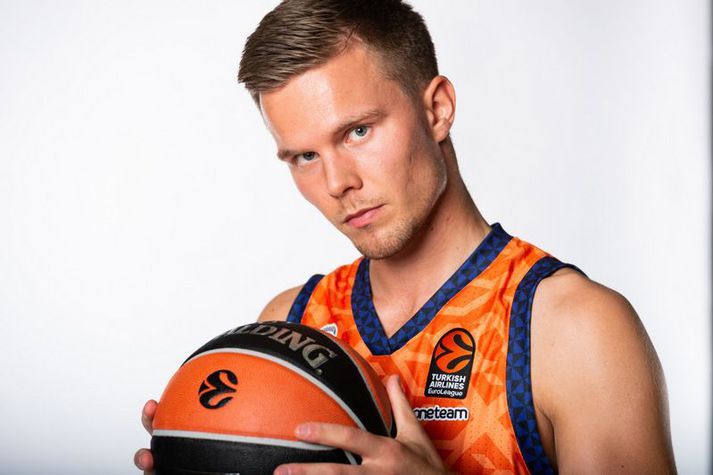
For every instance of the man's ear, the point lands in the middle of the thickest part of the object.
(439, 100)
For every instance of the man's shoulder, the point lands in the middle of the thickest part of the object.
(279, 306)
(583, 336)
(575, 316)
(596, 375)
(569, 304)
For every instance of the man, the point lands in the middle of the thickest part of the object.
(511, 361)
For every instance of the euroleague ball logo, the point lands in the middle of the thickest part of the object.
(454, 351)
(451, 365)
(213, 391)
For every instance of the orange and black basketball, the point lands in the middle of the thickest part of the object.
(233, 406)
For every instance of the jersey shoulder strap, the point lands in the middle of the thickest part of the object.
(323, 290)
(300, 303)
(518, 381)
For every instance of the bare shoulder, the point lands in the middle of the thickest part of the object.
(597, 378)
(572, 307)
(580, 327)
(279, 306)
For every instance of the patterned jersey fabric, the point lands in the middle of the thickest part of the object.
(464, 357)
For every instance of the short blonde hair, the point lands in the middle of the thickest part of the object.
(301, 34)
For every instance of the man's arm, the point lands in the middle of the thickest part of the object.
(597, 380)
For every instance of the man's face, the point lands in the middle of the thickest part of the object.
(359, 150)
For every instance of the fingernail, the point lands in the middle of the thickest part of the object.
(302, 431)
(137, 460)
(282, 471)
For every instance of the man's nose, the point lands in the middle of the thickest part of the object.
(340, 174)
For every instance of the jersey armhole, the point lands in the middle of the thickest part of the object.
(518, 381)
(300, 303)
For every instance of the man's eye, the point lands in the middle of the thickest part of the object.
(305, 157)
(361, 131)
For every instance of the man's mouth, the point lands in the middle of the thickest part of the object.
(362, 217)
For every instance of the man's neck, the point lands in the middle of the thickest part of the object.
(401, 284)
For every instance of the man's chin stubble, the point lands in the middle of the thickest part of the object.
(387, 246)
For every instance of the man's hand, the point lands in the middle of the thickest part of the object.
(143, 458)
(409, 453)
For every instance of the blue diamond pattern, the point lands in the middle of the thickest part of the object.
(519, 386)
(367, 320)
(300, 303)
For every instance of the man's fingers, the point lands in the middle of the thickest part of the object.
(409, 430)
(407, 426)
(316, 469)
(406, 422)
(144, 460)
(147, 415)
(340, 436)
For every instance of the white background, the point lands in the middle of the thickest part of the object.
(142, 210)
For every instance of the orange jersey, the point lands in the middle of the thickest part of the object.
(464, 357)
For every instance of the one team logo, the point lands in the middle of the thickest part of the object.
(216, 385)
(438, 413)
(451, 365)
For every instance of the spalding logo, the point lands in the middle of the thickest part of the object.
(214, 386)
(312, 353)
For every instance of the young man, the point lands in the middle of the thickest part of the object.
(510, 360)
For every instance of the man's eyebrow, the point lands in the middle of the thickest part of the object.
(347, 123)
(284, 153)
(357, 119)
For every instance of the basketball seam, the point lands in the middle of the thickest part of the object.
(290, 444)
(371, 393)
(240, 438)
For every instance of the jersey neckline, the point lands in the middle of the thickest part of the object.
(367, 320)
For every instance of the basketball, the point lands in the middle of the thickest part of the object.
(234, 404)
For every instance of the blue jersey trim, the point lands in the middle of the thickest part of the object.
(518, 382)
(367, 321)
(300, 303)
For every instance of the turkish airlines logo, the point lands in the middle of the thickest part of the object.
(217, 384)
(451, 365)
